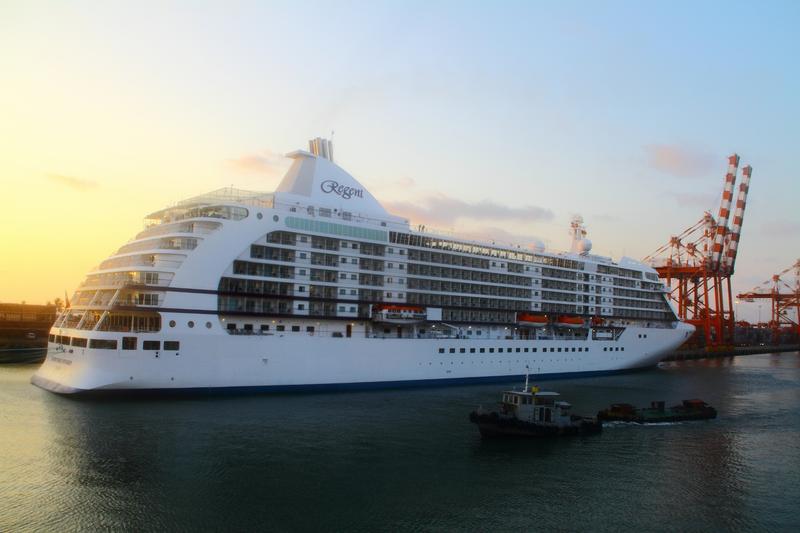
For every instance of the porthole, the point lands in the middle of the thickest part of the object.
(190, 323)
(259, 216)
(208, 325)
(275, 218)
(172, 323)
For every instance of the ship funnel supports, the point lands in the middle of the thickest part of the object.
(321, 148)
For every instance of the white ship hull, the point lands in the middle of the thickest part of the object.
(210, 362)
(287, 290)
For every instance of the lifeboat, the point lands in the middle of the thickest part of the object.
(398, 314)
(570, 321)
(529, 319)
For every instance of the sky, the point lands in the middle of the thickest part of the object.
(499, 120)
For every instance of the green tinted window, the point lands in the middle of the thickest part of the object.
(331, 228)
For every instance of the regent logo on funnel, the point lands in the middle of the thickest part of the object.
(332, 186)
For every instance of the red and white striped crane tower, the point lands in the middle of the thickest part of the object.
(697, 265)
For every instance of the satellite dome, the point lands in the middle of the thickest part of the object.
(584, 246)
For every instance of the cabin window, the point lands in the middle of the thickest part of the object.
(151, 345)
(80, 343)
(452, 350)
(129, 343)
(483, 350)
(295, 328)
(518, 350)
(310, 329)
(280, 328)
(264, 327)
(103, 344)
(491, 350)
(441, 350)
(462, 350)
(172, 346)
(526, 350)
(534, 350)
(499, 350)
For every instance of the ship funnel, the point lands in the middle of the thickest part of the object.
(321, 148)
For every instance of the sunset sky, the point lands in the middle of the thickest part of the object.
(498, 119)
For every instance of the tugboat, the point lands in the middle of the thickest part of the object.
(532, 413)
(687, 410)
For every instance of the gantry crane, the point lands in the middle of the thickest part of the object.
(697, 265)
(785, 301)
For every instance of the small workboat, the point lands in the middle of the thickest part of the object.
(532, 413)
(687, 410)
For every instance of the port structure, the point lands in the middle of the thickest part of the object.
(697, 265)
(784, 296)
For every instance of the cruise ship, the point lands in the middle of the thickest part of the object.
(316, 285)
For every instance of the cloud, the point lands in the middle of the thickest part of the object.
(265, 163)
(605, 217)
(501, 237)
(681, 161)
(780, 227)
(705, 200)
(72, 182)
(440, 209)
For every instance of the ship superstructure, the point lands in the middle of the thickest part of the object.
(316, 285)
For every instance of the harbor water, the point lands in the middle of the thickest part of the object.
(405, 459)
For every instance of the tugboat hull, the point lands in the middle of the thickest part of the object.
(492, 425)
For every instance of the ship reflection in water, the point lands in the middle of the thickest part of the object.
(404, 459)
